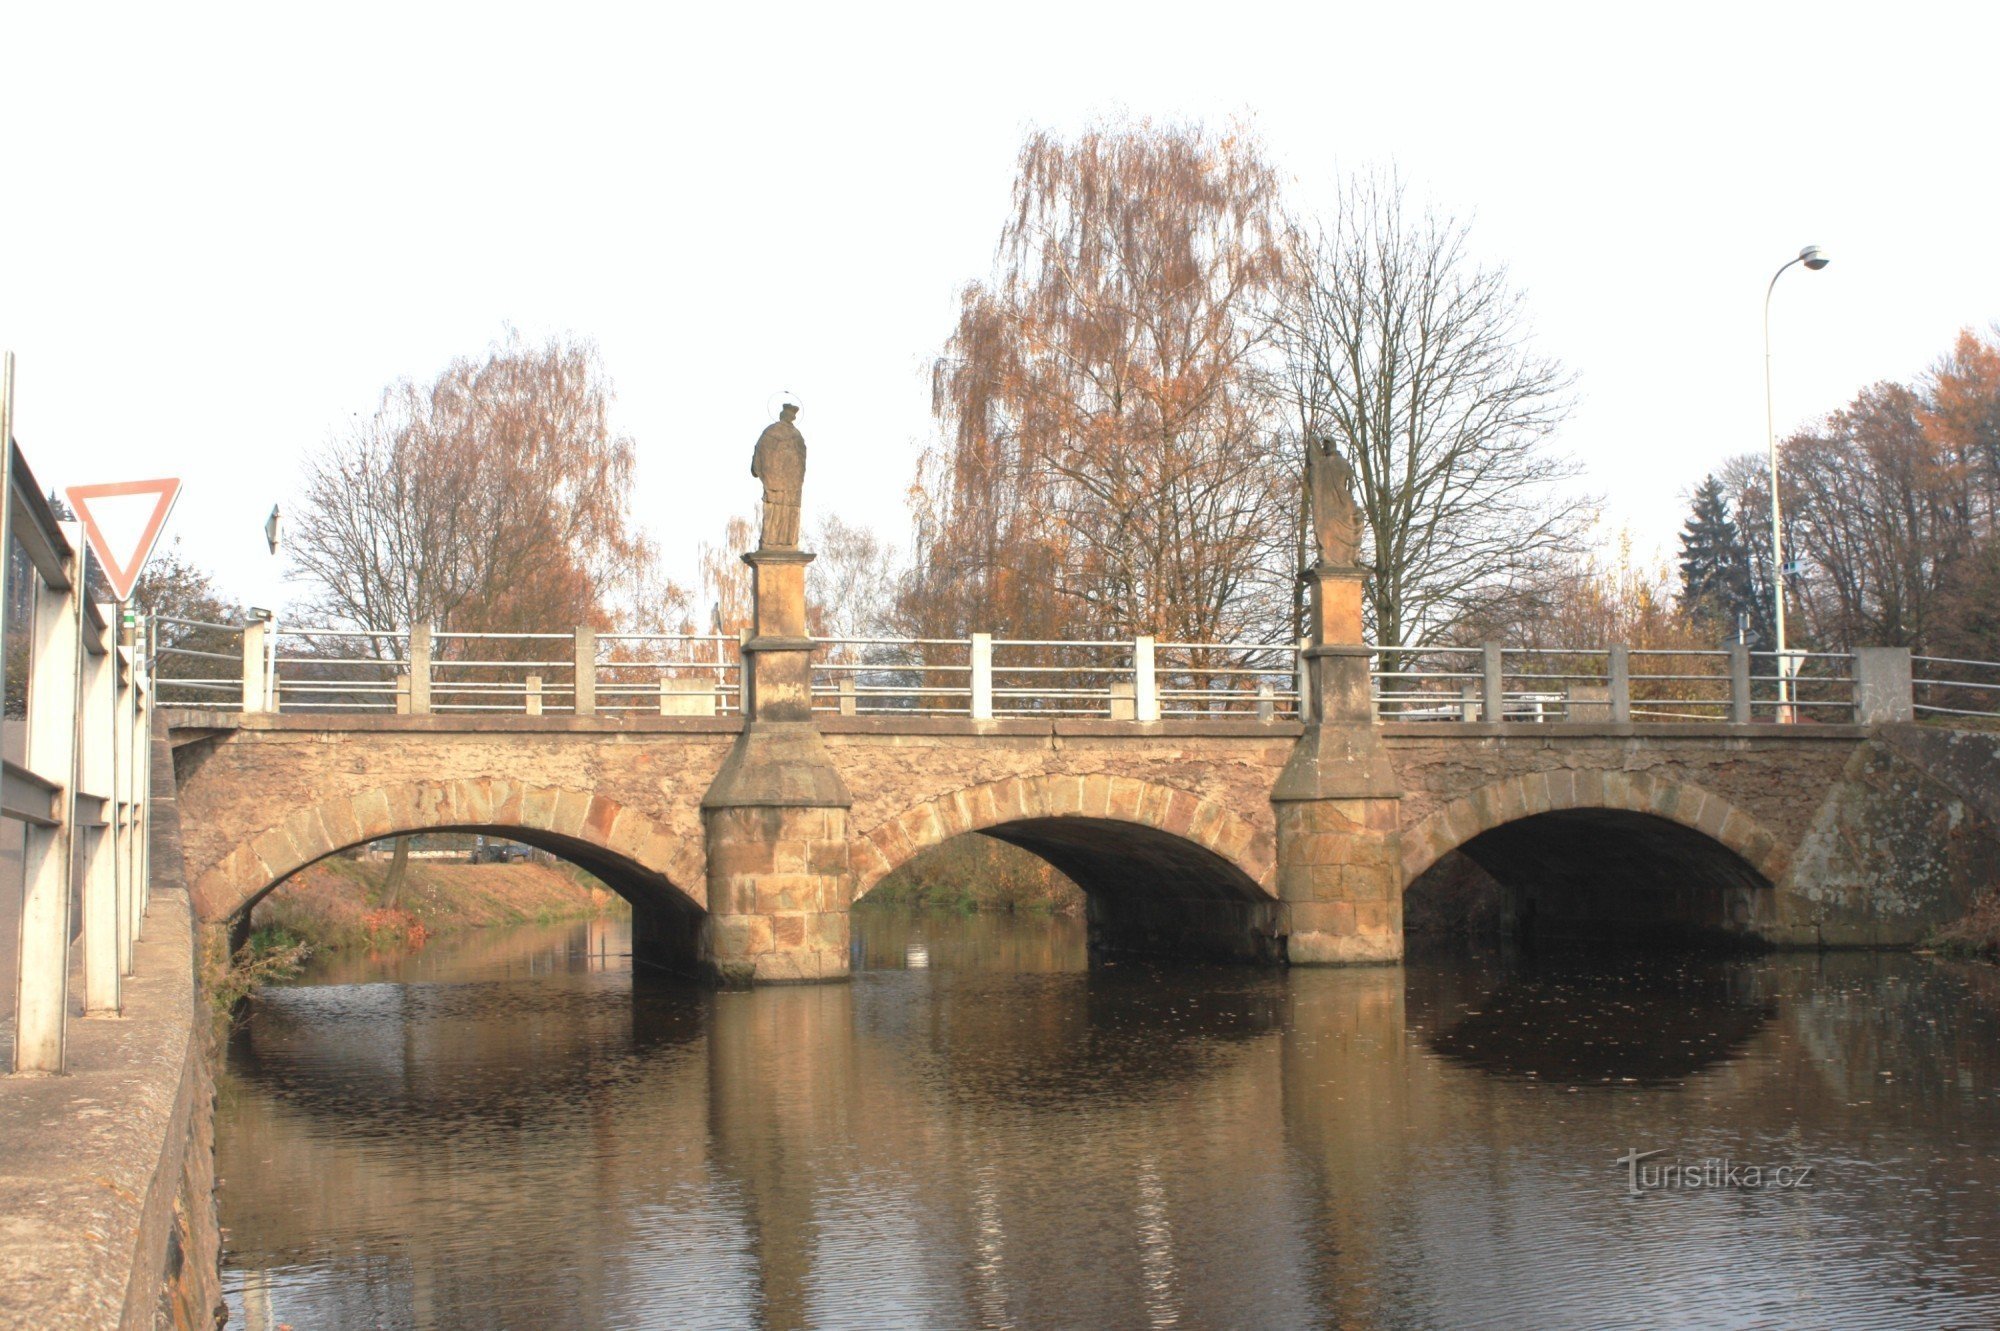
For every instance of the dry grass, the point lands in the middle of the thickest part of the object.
(337, 903)
(1974, 934)
(969, 873)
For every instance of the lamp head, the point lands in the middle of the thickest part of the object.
(1814, 257)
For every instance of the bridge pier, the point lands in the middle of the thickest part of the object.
(1338, 802)
(775, 817)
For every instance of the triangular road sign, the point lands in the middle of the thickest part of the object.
(122, 522)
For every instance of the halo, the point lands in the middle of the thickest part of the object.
(777, 400)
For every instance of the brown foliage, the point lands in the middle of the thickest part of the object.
(1107, 464)
(494, 498)
(1892, 508)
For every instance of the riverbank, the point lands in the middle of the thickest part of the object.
(342, 904)
(976, 873)
(1975, 934)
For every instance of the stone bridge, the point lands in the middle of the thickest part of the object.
(1804, 835)
(743, 841)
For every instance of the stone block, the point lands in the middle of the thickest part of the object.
(828, 857)
(538, 807)
(598, 815)
(1333, 917)
(276, 850)
(733, 937)
(730, 857)
(788, 932)
(1126, 798)
(1375, 917)
(342, 827)
(828, 931)
(1368, 884)
(868, 862)
(309, 836)
(507, 796)
(1096, 796)
(476, 800)
(1065, 796)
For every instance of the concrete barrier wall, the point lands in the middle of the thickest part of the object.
(107, 1172)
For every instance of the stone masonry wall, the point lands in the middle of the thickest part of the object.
(778, 891)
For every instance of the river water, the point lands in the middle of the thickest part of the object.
(504, 1131)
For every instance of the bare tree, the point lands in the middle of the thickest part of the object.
(1414, 360)
(495, 498)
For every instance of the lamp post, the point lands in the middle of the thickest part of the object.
(1814, 258)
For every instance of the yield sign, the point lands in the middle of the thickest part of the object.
(122, 522)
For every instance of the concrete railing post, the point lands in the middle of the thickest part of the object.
(42, 969)
(132, 755)
(1145, 682)
(420, 671)
(1124, 701)
(1621, 685)
(1739, 683)
(253, 666)
(1884, 690)
(1493, 700)
(745, 683)
(1267, 702)
(848, 699)
(142, 777)
(104, 949)
(1304, 682)
(982, 677)
(1468, 702)
(586, 672)
(534, 696)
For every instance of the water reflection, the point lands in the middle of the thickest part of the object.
(1637, 1018)
(1003, 1138)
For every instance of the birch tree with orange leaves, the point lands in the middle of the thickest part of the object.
(1106, 462)
(495, 498)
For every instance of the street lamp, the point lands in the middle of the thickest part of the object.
(1814, 258)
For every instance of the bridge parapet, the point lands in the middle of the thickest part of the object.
(264, 667)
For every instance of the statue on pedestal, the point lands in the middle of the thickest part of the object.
(780, 462)
(1336, 518)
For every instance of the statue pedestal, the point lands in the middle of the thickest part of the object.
(775, 817)
(1338, 803)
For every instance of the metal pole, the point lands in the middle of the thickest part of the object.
(1777, 526)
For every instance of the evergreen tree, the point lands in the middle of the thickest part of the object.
(1716, 582)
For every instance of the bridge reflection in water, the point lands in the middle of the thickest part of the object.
(509, 1133)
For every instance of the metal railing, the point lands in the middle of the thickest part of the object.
(1950, 686)
(584, 673)
(81, 788)
(1492, 682)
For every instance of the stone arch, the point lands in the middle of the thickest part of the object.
(647, 863)
(1526, 795)
(1053, 800)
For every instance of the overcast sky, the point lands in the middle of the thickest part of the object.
(223, 231)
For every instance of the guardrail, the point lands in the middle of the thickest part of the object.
(1948, 686)
(80, 790)
(1492, 682)
(585, 673)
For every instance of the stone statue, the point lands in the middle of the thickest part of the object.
(780, 462)
(1336, 517)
